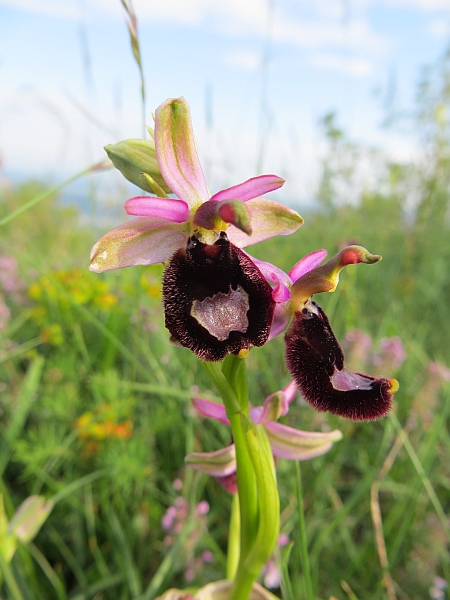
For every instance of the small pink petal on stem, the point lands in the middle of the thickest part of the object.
(211, 410)
(290, 391)
(218, 464)
(268, 219)
(287, 442)
(252, 188)
(272, 409)
(176, 152)
(275, 406)
(308, 262)
(141, 241)
(176, 211)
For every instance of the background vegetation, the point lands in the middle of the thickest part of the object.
(95, 402)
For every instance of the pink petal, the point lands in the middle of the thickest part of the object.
(252, 188)
(176, 211)
(218, 464)
(307, 263)
(290, 391)
(141, 241)
(211, 410)
(275, 406)
(176, 152)
(272, 274)
(267, 218)
(287, 442)
(281, 318)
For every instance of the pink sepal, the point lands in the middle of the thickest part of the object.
(290, 391)
(211, 410)
(281, 318)
(176, 152)
(307, 263)
(275, 406)
(218, 464)
(282, 282)
(294, 444)
(252, 188)
(176, 211)
(268, 219)
(141, 241)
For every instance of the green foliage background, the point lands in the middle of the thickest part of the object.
(95, 402)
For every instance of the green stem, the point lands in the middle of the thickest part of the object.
(303, 541)
(54, 189)
(234, 539)
(223, 387)
(256, 480)
(232, 387)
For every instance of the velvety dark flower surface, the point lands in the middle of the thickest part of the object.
(216, 300)
(316, 361)
(313, 354)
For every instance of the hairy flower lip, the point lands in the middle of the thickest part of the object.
(315, 359)
(211, 274)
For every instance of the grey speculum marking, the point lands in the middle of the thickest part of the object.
(223, 313)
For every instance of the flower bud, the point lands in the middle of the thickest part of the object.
(135, 159)
(29, 518)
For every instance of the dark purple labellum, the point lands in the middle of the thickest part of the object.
(316, 362)
(216, 300)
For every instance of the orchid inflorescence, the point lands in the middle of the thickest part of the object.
(219, 302)
(217, 298)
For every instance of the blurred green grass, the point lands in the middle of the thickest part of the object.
(95, 407)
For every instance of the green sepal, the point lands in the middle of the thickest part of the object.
(135, 157)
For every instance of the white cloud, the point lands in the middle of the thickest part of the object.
(247, 60)
(352, 66)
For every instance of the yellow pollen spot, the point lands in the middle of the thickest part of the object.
(394, 386)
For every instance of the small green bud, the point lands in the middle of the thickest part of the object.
(29, 518)
(135, 157)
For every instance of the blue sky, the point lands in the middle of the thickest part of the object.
(258, 74)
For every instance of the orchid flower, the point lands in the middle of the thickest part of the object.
(313, 355)
(215, 299)
(285, 441)
(164, 224)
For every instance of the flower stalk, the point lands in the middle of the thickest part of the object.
(259, 519)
